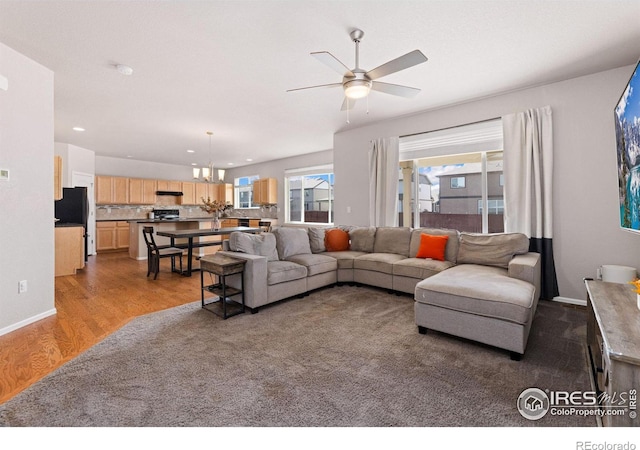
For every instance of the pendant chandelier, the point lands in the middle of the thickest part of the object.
(207, 172)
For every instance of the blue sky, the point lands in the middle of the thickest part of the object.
(629, 104)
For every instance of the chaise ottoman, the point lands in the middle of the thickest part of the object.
(481, 303)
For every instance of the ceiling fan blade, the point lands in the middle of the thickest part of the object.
(348, 103)
(318, 86)
(395, 89)
(395, 65)
(333, 62)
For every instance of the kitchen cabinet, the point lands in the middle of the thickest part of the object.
(188, 193)
(111, 190)
(225, 192)
(57, 177)
(112, 235)
(69, 250)
(214, 191)
(167, 185)
(202, 191)
(265, 191)
(142, 191)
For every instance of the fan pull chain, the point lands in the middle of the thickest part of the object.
(367, 104)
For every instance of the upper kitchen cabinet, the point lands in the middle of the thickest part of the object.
(265, 191)
(142, 191)
(225, 192)
(169, 186)
(57, 177)
(215, 191)
(202, 191)
(111, 190)
(188, 189)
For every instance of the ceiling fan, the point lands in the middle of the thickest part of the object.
(357, 83)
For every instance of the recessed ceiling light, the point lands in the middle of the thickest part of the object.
(194, 164)
(129, 156)
(124, 70)
(229, 164)
(191, 151)
(249, 159)
(78, 129)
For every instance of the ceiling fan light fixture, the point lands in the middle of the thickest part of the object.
(356, 89)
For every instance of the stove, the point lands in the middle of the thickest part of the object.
(166, 214)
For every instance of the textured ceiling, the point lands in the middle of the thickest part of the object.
(224, 66)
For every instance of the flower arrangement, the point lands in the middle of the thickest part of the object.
(214, 206)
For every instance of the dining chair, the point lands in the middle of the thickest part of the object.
(265, 226)
(155, 253)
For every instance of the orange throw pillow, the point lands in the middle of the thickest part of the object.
(432, 246)
(336, 240)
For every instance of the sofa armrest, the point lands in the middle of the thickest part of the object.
(526, 267)
(255, 278)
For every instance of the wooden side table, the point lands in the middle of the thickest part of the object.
(222, 266)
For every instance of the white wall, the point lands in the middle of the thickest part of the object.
(26, 200)
(74, 159)
(120, 167)
(586, 230)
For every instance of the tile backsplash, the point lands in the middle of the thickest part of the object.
(133, 212)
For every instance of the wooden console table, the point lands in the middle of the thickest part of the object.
(613, 339)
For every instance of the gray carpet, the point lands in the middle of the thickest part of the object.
(344, 356)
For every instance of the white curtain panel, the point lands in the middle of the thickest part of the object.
(528, 174)
(384, 157)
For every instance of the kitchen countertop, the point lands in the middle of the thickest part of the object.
(67, 224)
(183, 219)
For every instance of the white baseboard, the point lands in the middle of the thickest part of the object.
(570, 301)
(28, 321)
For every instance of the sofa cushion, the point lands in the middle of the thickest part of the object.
(392, 240)
(482, 290)
(316, 239)
(451, 249)
(315, 264)
(283, 271)
(336, 240)
(345, 259)
(419, 268)
(362, 239)
(263, 244)
(291, 241)
(432, 246)
(491, 249)
(377, 262)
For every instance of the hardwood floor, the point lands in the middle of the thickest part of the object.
(110, 291)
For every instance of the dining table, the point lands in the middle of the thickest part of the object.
(190, 235)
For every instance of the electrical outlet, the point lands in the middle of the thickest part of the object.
(22, 286)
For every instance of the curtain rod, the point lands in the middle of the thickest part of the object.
(448, 128)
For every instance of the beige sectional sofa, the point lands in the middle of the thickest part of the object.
(485, 289)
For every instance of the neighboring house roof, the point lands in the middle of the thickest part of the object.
(470, 169)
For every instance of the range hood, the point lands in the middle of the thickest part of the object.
(173, 193)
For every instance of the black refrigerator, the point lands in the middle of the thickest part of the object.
(73, 207)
